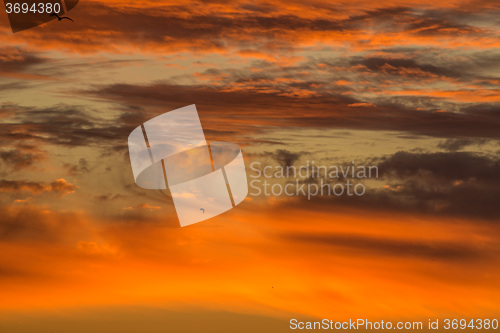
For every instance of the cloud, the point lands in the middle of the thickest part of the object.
(189, 26)
(62, 125)
(77, 169)
(276, 67)
(29, 222)
(16, 59)
(379, 246)
(404, 67)
(445, 166)
(143, 206)
(330, 110)
(458, 144)
(184, 195)
(108, 197)
(286, 158)
(454, 183)
(59, 187)
(17, 159)
(94, 248)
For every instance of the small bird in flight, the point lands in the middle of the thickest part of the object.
(202, 210)
(61, 18)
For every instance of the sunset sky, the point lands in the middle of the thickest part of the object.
(409, 86)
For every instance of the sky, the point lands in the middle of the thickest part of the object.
(409, 86)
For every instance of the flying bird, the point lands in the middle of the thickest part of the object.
(61, 18)
(202, 210)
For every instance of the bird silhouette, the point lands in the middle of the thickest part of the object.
(61, 18)
(202, 210)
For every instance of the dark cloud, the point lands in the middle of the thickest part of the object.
(458, 144)
(15, 59)
(250, 110)
(12, 86)
(181, 27)
(170, 27)
(17, 159)
(62, 125)
(422, 22)
(396, 65)
(374, 246)
(31, 223)
(58, 187)
(78, 169)
(286, 158)
(445, 166)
